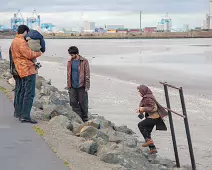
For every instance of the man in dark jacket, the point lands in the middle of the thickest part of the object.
(18, 85)
(78, 80)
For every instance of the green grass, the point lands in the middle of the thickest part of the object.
(39, 130)
(3, 89)
(66, 163)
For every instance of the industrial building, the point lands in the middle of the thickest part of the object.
(165, 25)
(114, 27)
(207, 23)
(89, 26)
(32, 22)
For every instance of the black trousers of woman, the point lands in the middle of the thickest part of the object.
(146, 126)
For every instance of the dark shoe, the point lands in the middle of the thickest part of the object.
(16, 116)
(85, 120)
(22, 120)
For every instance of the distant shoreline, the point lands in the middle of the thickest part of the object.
(141, 35)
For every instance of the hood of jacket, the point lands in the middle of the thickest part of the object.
(35, 35)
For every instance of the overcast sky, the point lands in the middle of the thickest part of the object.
(71, 13)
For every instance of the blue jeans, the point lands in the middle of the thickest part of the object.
(18, 87)
(27, 96)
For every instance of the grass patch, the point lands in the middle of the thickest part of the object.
(39, 130)
(3, 89)
(66, 163)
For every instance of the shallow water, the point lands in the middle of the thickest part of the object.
(118, 66)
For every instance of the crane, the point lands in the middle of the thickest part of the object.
(16, 20)
(34, 20)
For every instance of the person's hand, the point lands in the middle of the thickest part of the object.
(86, 90)
(141, 110)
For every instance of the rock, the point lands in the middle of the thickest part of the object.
(60, 122)
(89, 147)
(40, 115)
(49, 82)
(103, 122)
(66, 111)
(88, 132)
(162, 161)
(160, 167)
(75, 127)
(131, 142)
(109, 147)
(129, 160)
(103, 136)
(115, 139)
(89, 123)
(7, 75)
(58, 98)
(128, 140)
(182, 168)
(38, 105)
(124, 129)
(70, 127)
(12, 82)
(44, 91)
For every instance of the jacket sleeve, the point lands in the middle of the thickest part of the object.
(149, 105)
(27, 52)
(43, 45)
(87, 75)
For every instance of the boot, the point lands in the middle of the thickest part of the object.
(148, 142)
(153, 151)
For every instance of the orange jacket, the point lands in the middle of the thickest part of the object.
(23, 56)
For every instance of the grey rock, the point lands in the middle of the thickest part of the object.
(115, 139)
(44, 91)
(160, 167)
(40, 115)
(103, 122)
(66, 110)
(127, 159)
(7, 75)
(58, 98)
(103, 136)
(162, 161)
(60, 122)
(124, 129)
(88, 132)
(38, 105)
(89, 147)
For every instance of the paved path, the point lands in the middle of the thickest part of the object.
(20, 147)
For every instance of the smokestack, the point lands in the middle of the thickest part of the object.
(210, 14)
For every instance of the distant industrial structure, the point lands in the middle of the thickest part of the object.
(17, 20)
(32, 22)
(207, 23)
(89, 26)
(165, 25)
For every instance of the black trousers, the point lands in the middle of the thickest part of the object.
(79, 102)
(146, 126)
(17, 94)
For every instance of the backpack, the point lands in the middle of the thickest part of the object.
(13, 70)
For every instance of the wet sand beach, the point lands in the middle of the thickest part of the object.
(118, 66)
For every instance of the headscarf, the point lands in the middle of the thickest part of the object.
(145, 91)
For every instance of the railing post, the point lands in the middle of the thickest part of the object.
(187, 130)
(172, 127)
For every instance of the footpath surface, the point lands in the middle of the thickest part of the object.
(20, 147)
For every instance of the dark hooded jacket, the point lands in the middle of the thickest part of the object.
(35, 35)
(148, 103)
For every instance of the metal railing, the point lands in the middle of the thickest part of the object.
(185, 118)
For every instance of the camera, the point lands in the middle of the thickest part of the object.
(38, 65)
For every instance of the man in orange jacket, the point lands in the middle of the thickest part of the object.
(23, 56)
